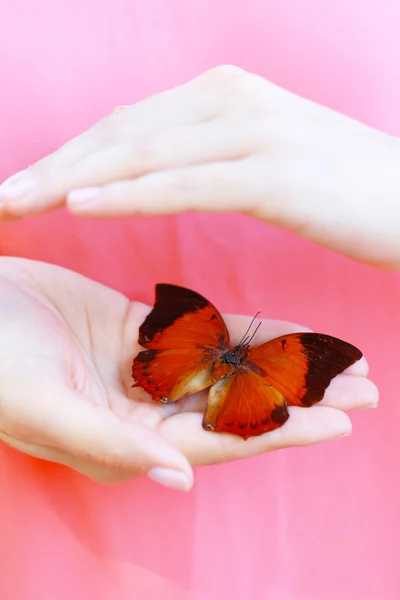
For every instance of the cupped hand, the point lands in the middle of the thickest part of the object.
(229, 141)
(66, 351)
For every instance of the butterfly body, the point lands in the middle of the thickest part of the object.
(188, 349)
(232, 358)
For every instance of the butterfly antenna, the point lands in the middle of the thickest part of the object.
(255, 331)
(245, 337)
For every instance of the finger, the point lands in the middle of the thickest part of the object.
(305, 427)
(214, 141)
(42, 186)
(94, 471)
(349, 392)
(70, 422)
(214, 187)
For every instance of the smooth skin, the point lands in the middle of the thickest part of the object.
(226, 141)
(66, 352)
(229, 141)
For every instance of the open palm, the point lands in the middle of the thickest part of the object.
(65, 372)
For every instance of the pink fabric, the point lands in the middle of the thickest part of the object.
(318, 523)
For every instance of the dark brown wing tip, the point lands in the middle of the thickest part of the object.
(328, 357)
(166, 292)
(347, 350)
(171, 303)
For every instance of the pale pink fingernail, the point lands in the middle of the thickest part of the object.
(121, 107)
(170, 478)
(367, 405)
(17, 186)
(83, 195)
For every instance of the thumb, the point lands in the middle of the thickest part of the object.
(57, 423)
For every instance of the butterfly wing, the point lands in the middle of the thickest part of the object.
(182, 319)
(183, 335)
(245, 404)
(301, 365)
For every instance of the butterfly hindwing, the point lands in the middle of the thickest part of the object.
(302, 365)
(245, 404)
(182, 335)
(168, 375)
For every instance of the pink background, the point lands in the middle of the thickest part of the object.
(317, 523)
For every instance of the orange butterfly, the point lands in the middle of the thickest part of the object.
(188, 349)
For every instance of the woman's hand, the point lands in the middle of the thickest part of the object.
(66, 352)
(230, 141)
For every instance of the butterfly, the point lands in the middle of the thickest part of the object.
(188, 349)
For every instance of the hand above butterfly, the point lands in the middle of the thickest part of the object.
(229, 141)
(66, 353)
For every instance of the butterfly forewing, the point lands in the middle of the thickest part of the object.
(183, 334)
(302, 365)
(182, 319)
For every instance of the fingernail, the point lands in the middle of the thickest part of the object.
(83, 195)
(17, 186)
(368, 405)
(170, 478)
(121, 107)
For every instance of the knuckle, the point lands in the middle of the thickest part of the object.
(233, 84)
(147, 152)
(106, 129)
(104, 460)
(222, 77)
(186, 183)
(222, 72)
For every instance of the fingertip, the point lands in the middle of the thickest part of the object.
(351, 392)
(346, 428)
(368, 394)
(17, 187)
(176, 480)
(310, 426)
(82, 198)
(359, 368)
(373, 394)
